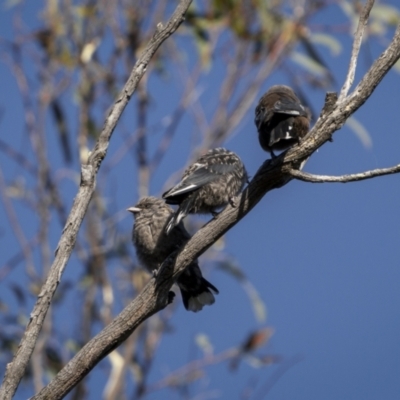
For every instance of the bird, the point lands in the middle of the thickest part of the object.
(211, 182)
(153, 246)
(281, 119)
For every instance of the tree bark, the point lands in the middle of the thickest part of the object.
(271, 175)
(16, 369)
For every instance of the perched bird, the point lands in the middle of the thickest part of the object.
(206, 185)
(281, 119)
(153, 246)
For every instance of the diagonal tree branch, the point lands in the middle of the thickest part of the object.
(271, 175)
(15, 370)
(305, 177)
(276, 173)
(356, 49)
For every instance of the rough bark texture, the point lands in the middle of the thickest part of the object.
(272, 174)
(16, 369)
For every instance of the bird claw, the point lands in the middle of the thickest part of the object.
(214, 213)
(233, 201)
(155, 273)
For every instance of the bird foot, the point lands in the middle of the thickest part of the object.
(233, 201)
(155, 273)
(214, 213)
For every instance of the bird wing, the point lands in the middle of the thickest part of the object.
(203, 175)
(289, 107)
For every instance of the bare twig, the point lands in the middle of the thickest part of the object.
(180, 375)
(356, 49)
(273, 174)
(19, 158)
(149, 301)
(119, 366)
(15, 370)
(17, 228)
(274, 378)
(141, 145)
(17, 258)
(306, 177)
(225, 122)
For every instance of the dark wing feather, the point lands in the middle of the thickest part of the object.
(181, 213)
(289, 107)
(262, 116)
(198, 178)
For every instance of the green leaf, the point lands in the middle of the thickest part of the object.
(259, 307)
(308, 63)
(203, 341)
(328, 41)
(385, 13)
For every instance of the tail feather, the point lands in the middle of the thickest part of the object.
(283, 131)
(194, 300)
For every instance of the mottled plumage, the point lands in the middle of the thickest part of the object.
(206, 185)
(153, 246)
(281, 119)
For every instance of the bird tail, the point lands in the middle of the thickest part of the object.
(181, 213)
(284, 131)
(195, 297)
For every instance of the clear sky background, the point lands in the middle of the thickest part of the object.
(324, 258)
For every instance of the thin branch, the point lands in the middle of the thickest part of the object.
(306, 177)
(224, 122)
(272, 174)
(16, 369)
(149, 301)
(274, 378)
(180, 375)
(17, 258)
(142, 141)
(356, 49)
(16, 227)
(335, 115)
(18, 158)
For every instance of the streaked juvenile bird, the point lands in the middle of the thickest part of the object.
(153, 246)
(281, 119)
(206, 185)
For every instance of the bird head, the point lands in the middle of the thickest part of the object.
(148, 205)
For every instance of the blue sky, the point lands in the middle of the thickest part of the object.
(324, 258)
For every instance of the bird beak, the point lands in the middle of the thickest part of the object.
(134, 210)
